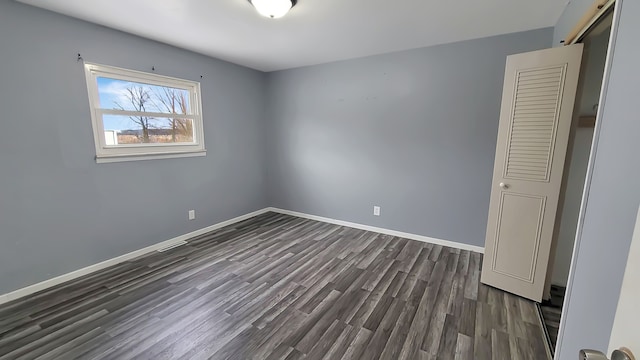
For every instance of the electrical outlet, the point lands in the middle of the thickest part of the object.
(192, 214)
(376, 210)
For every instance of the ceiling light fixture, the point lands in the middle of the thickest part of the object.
(273, 8)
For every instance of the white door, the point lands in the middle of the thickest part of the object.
(625, 327)
(537, 109)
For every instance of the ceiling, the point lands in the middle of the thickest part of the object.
(315, 31)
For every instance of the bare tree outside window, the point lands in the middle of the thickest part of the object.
(139, 97)
(172, 128)
(175, 102)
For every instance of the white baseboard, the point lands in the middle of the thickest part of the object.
(421, 238)
(105, 264)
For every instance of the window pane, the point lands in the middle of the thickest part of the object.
(133, 96)
(122, 130)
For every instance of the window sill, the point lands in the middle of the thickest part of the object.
(104, 159)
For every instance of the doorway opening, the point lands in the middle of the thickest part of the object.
(596, 46)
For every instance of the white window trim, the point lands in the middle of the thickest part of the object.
(134, 152)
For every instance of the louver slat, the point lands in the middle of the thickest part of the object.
(533, 123)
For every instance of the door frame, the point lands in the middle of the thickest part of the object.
(586, 26)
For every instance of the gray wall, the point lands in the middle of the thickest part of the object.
(59, 210)
(614, 194)
(413, 131)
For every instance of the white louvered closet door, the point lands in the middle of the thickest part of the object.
(535, 121)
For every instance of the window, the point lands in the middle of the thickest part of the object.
(138, 116)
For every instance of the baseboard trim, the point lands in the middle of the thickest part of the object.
(416, 237)
(32, 289)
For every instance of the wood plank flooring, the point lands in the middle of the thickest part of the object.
(279, 287)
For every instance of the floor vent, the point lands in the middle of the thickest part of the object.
(173, 246)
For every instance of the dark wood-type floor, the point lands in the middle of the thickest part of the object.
(279, 287)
